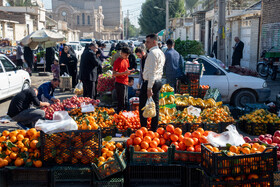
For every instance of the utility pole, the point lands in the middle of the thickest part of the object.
(221, 32)
(166, 19)
(127, 24)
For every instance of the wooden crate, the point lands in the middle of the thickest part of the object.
(65, 83)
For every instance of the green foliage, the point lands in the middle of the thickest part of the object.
(188, 47)
(152, 20)
(132, 30)
(20, 2)
(190, 4)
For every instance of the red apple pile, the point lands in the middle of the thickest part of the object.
(73, 102)
(268, 139)
(106, 83)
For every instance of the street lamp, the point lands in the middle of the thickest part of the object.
(166, 17)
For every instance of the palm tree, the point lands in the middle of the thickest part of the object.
(190, 5)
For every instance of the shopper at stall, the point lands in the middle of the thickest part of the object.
(152, 75)
(141, 53)
(50, 52)
(46, 90)
(102, 55)
(20, 107)
(19, 55)
(113, 47)
(130, 90)
(89, 71)
(172, 67)
(117, 55)
(121, 72)
(238, 52)
(73, 66)
(29, 59)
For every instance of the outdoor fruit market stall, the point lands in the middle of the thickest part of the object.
(197, 143)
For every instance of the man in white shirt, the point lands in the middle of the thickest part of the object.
(152, 75)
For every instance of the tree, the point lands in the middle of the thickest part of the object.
(190, 5)
(20, 2)
(188, 47)
(152, 20)
(132, 30)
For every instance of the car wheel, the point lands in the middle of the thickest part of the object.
(26, 85)
(243, 97)
(262, 69)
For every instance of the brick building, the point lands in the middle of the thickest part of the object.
(270, 34)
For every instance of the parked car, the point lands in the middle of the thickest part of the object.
(13, 79)
(78, 48)
(235, 89)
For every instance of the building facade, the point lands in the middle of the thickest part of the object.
(94, 18)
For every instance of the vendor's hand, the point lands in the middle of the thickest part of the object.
(127, 72)
(149, 93)
(62, 64)
(46, 104)
(68, 55)
(55, 100)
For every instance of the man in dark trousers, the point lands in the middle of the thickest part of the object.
(49, 58)
(215, 48)
(89, 71)
(238, 52)
(29, 59)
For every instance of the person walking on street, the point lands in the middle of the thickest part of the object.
(29, 59)
(46, 90)
(172, 64)
(19, 55)
(20, 110)
(121, 72)
(89, 71)
(215, 48)
(152, 76)
(238, 52)
(141, 53)
(49, 58)
(102, 55)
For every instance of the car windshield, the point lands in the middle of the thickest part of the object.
(74, 47)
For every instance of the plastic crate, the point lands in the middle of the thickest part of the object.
(202, 92)
(68, 174)
(3, 179)
(193, 126)
(79, 147)
(149, 158)
(172, 176)
(112, 182)
(214, 94)
(27, 176)
(193, 175)
(254, 129)
(111, 167)
(221, 165)
(263, 180)
(192, 68)
(185, 157)
(252, 107)
(272, 127)
(218, 128)
(108, 131)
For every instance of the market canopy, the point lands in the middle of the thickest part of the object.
(43, 37)
(161, 33)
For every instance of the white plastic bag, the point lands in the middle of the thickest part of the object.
(61, 122)
(79, 88)
(194, 111)
(87, 107)
(149, 109)
(228, 137)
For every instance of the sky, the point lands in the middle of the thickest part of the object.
(134, 7)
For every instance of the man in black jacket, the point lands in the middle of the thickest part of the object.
(89, 71)
(49, 58)
(238, 52)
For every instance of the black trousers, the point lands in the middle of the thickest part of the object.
(143, 99)
(235, 61)
(19, 62)
(121, 91)
(89, 89)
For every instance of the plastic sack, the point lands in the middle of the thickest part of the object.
(61, 122)
(194, 111)
(228, 137)
(149, 109)
(87, 107)
(79, 89)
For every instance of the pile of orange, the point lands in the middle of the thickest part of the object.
(216, 115)
(108, 150)
(149, 141)
(246, 177)
(20, 148)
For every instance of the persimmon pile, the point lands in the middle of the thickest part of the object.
(216, 115)
(159, 141)
(20, 148)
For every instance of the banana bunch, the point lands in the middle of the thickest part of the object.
(190, 101)
(167, 100)
(167, 111)
(210, 103)
(166, 88)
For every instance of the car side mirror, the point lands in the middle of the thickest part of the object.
(218, 72)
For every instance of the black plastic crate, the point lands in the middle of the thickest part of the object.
(193, 126)
(112, 182)
(185, 157)
(149, 158)
(272, 127)
(171, 175)
(254, 129)
(66, 174)
(243, 181)
(108, 131)
(111, 167)
(193, 176)
(79, 147)
(218, 128)
(276, 176)
(222, 165)
(3, 177)
(27, 176)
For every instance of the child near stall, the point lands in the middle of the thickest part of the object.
(130, 90)
(55, 69)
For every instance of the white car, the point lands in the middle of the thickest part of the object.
(235, 89)
(78, 48)
(13, 79)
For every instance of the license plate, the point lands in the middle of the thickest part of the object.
(276, 63)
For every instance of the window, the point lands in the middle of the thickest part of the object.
(7, 64)
(1, 69)
(83, 18)
(78, 20)
(209, 68)
(88, 20)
